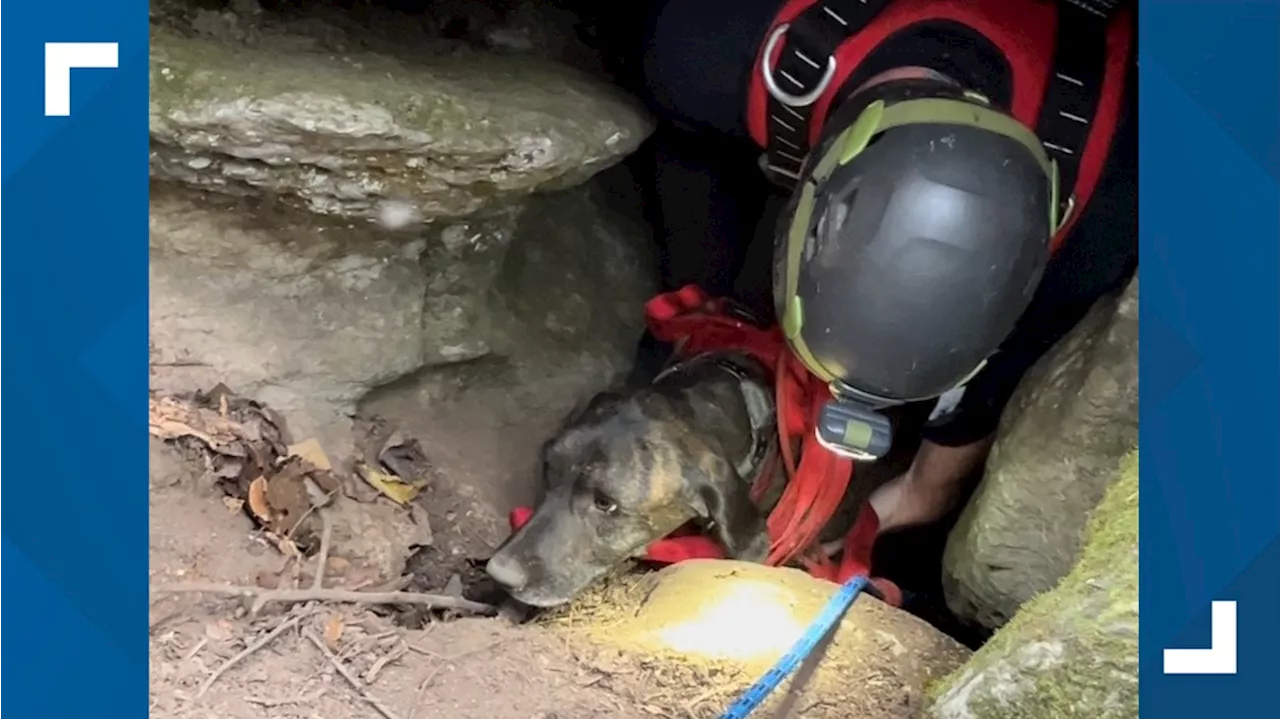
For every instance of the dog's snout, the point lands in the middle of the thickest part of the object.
(507, 572)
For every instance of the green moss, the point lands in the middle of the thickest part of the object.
(1070, 652)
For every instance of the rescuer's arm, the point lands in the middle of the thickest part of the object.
(955, 443)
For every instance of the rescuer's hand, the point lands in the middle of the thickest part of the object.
(932, 485)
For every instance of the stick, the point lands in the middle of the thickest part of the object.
(322, 557)
(422, 690)
(378, 666)
(264, 641)
(262, 597)
(300, 699)
(196, 649)
(351, 679)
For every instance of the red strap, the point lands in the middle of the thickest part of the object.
(697, 323)
(855, 561)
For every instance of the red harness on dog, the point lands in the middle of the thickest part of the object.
(815, 485)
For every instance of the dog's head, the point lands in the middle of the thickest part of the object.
(626, 471)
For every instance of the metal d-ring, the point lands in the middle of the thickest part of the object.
(1066, 214)
(772, 85)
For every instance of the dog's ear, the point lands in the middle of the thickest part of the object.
(597, 406)
(718, 494)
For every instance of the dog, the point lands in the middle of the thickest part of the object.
(632, 467)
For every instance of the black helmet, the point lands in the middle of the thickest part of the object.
(915, 239)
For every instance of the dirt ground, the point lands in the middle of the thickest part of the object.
(401, 665)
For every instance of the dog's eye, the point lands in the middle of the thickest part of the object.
(604, 504)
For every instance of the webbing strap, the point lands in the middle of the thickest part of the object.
(1101, 8)
(803, 73)
(1074, 90)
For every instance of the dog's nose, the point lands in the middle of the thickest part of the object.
(506, 572)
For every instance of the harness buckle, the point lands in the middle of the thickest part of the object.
(771, 84)
(1066, 213)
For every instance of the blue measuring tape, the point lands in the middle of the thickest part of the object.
(755, 695)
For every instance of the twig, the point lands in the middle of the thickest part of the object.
(422, 689)
(195, 650)
(351, 679)
(262, 597)
(322, 557)
(372, 675)
(300, 699)
(264, 641)
(315, 506)
(359, 645)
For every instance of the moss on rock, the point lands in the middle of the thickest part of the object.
(1071, 652)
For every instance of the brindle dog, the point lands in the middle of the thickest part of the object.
(631, 468)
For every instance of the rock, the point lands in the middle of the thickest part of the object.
(309, 314)
(1073, 652)
(707, 629)
(575, 280)
(1067, 427)
(297, 313)
(551, 320)
(376, 535)
(345, 134)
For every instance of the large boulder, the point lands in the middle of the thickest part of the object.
(1063, 435)
(702, 631)
(376, 134)
(1072, 652)
(346, 198)
(309, 315)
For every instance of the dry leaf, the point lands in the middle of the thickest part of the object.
(223, 408)
(338, 565)
(286, 546)
(258, 500)
(291, 504)
(173, 429)
(388, 484)
(404, 458)
(333, 631)
(310, 450)
(233, 505)
(422, 536)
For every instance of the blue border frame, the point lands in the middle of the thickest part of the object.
(1209, 75)
(73, 308)
(74, 312)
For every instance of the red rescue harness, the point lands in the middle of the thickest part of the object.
(1069, 66)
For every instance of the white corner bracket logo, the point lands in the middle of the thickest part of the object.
(1220, 657)
(60, 58)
